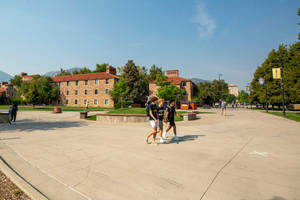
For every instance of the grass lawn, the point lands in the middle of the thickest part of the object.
(50, 108)
(92, 118)
(289, 115)
(141, 111)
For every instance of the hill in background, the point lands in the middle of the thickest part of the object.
(54, 73)
(199, 80)
(5, 77)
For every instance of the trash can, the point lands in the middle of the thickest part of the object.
(83, 114)
(184, 105)
(193, 105)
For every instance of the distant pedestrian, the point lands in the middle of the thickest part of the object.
(223, 107)
(170, 115)
(87, 106)
(153, 118)
(161, 115)
(13, 112)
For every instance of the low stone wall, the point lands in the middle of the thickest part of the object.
(122, 118)
(4, 117)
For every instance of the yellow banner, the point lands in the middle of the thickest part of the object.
(276, 73)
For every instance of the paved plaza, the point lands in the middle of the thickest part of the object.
(247, 155)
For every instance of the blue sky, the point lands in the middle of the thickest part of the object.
(201, 38)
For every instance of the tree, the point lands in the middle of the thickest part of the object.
(243, 97)
(135, 82)
(220, 90)
(231, 98)
(167, 90)
(119, 93)
(75, 72)
(63, 72)
(40, 90)
(85, 70)
(16, 81)
(101, 68)
(153, 72)
(206, 94)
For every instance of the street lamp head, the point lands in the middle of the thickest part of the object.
(261, 81)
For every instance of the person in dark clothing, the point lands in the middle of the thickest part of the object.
(171, 112)
(153, 118)
(14, 112)
(161, 116)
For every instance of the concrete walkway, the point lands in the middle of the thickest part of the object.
(246, 155)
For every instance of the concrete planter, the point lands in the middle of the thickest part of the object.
(189, 116)
(122, 118)
(83, 114)
(4, 117)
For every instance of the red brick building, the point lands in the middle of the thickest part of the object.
(92, 89)
(7, 90)
(173, 78)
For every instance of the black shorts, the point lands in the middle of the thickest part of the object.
(172, 122)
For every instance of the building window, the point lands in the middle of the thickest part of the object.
(58, 102)
(86, 82)
(96, 82)
(85, 92)
(68, 92)
(183, 83)
(76, 92)
(76, 83)
(107, 81)
(96, 91)
(58, 84)
(58, 93)
(68, 83)
(67, 101)
(106, 101)
(85, 102)
(106, 91)
(75, 101)
(95, 101)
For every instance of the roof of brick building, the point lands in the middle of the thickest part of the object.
(90, 76)
(2, 90)
(176, 80)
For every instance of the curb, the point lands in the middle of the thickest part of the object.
(20, 182)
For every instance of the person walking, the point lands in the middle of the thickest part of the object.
(223, 107)
(170, 115)
(152, 108)
(14, 111)
(161, 115)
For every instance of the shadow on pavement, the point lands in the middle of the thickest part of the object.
(277, 198)
(184, 138)
(42, 126)
(13, 138)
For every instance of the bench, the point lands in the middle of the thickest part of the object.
(4, 117)
(189, 116)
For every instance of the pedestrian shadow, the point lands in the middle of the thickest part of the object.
(12, 138)
(29, 126)
(184, 138)
(277, 198)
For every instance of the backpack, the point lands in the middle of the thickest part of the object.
(147, 108)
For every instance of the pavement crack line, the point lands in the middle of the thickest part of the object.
(225, 165)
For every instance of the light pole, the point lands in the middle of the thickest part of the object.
(219, 89)
(282, 87)
(262, 82)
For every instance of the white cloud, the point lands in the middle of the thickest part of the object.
(206, 25)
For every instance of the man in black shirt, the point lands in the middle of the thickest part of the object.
(153, 120)
(171, 112)
(161, 115)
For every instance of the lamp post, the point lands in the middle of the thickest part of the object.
(262, 82)
(282, 87)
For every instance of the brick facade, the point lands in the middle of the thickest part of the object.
(93, 88)
(233, 89)
(173, 77)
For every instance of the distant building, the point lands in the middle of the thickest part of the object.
(233, 89)
(7, 90)
(173, 78)
(26, 77)
(92, 89)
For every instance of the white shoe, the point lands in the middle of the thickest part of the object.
(165, 135)
(176, 138)
(161, 140)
